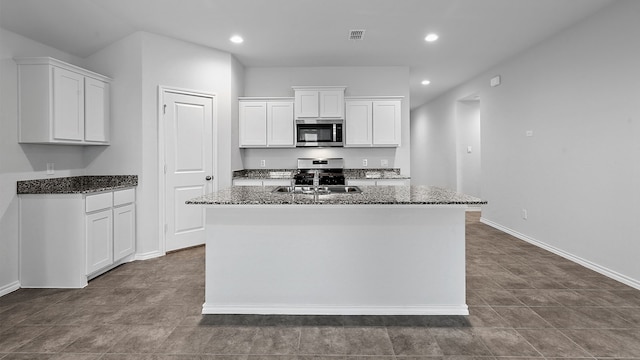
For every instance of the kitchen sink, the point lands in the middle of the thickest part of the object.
(320, 190)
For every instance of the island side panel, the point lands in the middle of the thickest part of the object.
(340, 260)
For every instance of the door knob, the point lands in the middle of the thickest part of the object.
(208, 178)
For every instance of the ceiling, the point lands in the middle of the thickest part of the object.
(474, 34)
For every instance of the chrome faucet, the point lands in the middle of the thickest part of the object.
(316, 179)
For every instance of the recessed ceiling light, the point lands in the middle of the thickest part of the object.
(431, 37)
(425, 82)
(236, 39)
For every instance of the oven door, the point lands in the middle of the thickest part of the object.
(318, 134)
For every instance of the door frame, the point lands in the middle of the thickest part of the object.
(162, 89)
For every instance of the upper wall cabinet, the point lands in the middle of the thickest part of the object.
(60, 103)
(319, 102)
(373, 122)
(266, 122)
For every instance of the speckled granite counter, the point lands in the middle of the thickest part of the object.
(263, 174)
(382, 195)
(76, 184)
(372, 173)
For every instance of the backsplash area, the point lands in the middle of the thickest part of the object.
(353, 157)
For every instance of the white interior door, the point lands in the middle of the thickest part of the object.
(188, 125)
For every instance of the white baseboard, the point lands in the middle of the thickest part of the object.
(149, 255)
(335, 310)
(586, 263)
(9, 288)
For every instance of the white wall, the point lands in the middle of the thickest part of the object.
(122, 61)
(579, 175)
(433, 145)
(23, 161)
(468, 138)
(140, 64)
(360, 81)
(237, 90)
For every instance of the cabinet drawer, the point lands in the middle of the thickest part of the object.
(122, 197)
(98, 202)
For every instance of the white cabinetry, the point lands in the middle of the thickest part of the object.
(358, 123)
(266, 122)
(124, 231)
(67, 239)
(60, 103)
(96, 120)
(99, 227)
(319, 102)
(373, 122)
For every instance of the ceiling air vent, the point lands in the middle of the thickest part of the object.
(356, 34)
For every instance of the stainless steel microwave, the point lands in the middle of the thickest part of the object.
(319, 132)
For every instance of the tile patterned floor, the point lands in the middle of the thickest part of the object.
(524, 302)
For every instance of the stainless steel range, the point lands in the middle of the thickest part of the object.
(320, 172)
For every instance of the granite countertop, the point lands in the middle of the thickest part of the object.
(264, 174)
(76, 184)
(379, 195)
(372, 173)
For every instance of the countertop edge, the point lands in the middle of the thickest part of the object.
(83, 184)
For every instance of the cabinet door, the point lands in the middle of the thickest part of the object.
(253, 124)
(99, 236)
(96, 124)
(306, 104)
(332, 104)
(386, 123)
(124, 231)
(280, 125)
(358, 124)
(68, 105)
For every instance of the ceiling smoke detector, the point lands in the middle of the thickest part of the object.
(356, 34)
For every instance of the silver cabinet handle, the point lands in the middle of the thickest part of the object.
(208, 178)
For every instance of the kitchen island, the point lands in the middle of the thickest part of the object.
(389, 250)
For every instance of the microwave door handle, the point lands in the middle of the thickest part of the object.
(334, 132)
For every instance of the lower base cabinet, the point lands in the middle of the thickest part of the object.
(99, 227)
(67, 239)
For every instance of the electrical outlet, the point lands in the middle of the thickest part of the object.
(524, 214)
(50, 169)
(529, 133)
(364, 162)
(263, 163)
(384, 163)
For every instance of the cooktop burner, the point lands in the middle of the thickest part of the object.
(329, 171)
